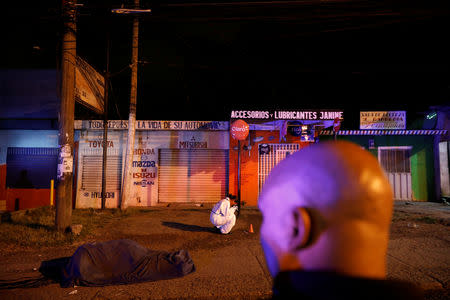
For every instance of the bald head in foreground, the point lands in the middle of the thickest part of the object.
(326, 216)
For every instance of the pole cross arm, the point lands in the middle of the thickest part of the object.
(130, 11)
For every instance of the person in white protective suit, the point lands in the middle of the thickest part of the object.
(223, 215)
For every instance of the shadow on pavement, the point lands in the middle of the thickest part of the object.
(187, 227)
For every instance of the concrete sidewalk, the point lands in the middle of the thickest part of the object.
(233, 266)
(419, 246)
(439, 211)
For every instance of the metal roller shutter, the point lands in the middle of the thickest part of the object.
(196, 176)
(31, 167)
(91, 179)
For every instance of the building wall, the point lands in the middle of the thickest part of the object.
(422, 159)
(148, 142)
(28, 198)
(444, 150)
(147, 145)
(249, 162)
(3, 187)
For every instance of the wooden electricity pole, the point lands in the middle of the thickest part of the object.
(105, 122)
(64, 180)
(126, 183)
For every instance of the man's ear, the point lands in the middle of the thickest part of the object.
(301, 231)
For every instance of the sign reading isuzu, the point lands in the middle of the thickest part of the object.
(382, 120)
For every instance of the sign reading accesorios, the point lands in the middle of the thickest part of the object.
(288, 114)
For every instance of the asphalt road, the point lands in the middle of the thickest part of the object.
(232, 266)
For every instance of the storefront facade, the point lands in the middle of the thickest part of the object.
(199, 161)
(414, 160)
(407, 156)
(273, 135)
(173, 161)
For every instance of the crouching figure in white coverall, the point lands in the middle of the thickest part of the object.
(222, 216)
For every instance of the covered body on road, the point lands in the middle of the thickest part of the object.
(117, 262)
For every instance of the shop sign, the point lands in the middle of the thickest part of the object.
(307, 133)
(146, 151)
(143, 173)
(100, 144)
(251, 114)
(239, 130)
(89, 86)
(295, 128)
(267, 115)
(264, 149)
(192, 144)
(144, 167)
(382, 120)
(144, 183)
(144, 164)
(96, 195)
(153, 125)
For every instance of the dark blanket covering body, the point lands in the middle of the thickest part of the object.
(120, 262)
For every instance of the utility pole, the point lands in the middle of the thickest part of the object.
(239, 179)
(105, 122)
(63, 218)
(126, 186)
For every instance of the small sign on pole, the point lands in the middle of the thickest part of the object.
(336, 126)
(239, 131)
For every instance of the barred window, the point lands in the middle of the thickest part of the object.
(395, 160)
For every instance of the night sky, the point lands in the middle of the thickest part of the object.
(200, 59)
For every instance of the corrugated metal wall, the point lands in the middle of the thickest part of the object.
(91, 177)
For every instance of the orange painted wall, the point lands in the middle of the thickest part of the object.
(28, 198)
(3, 182)
(249, 163)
